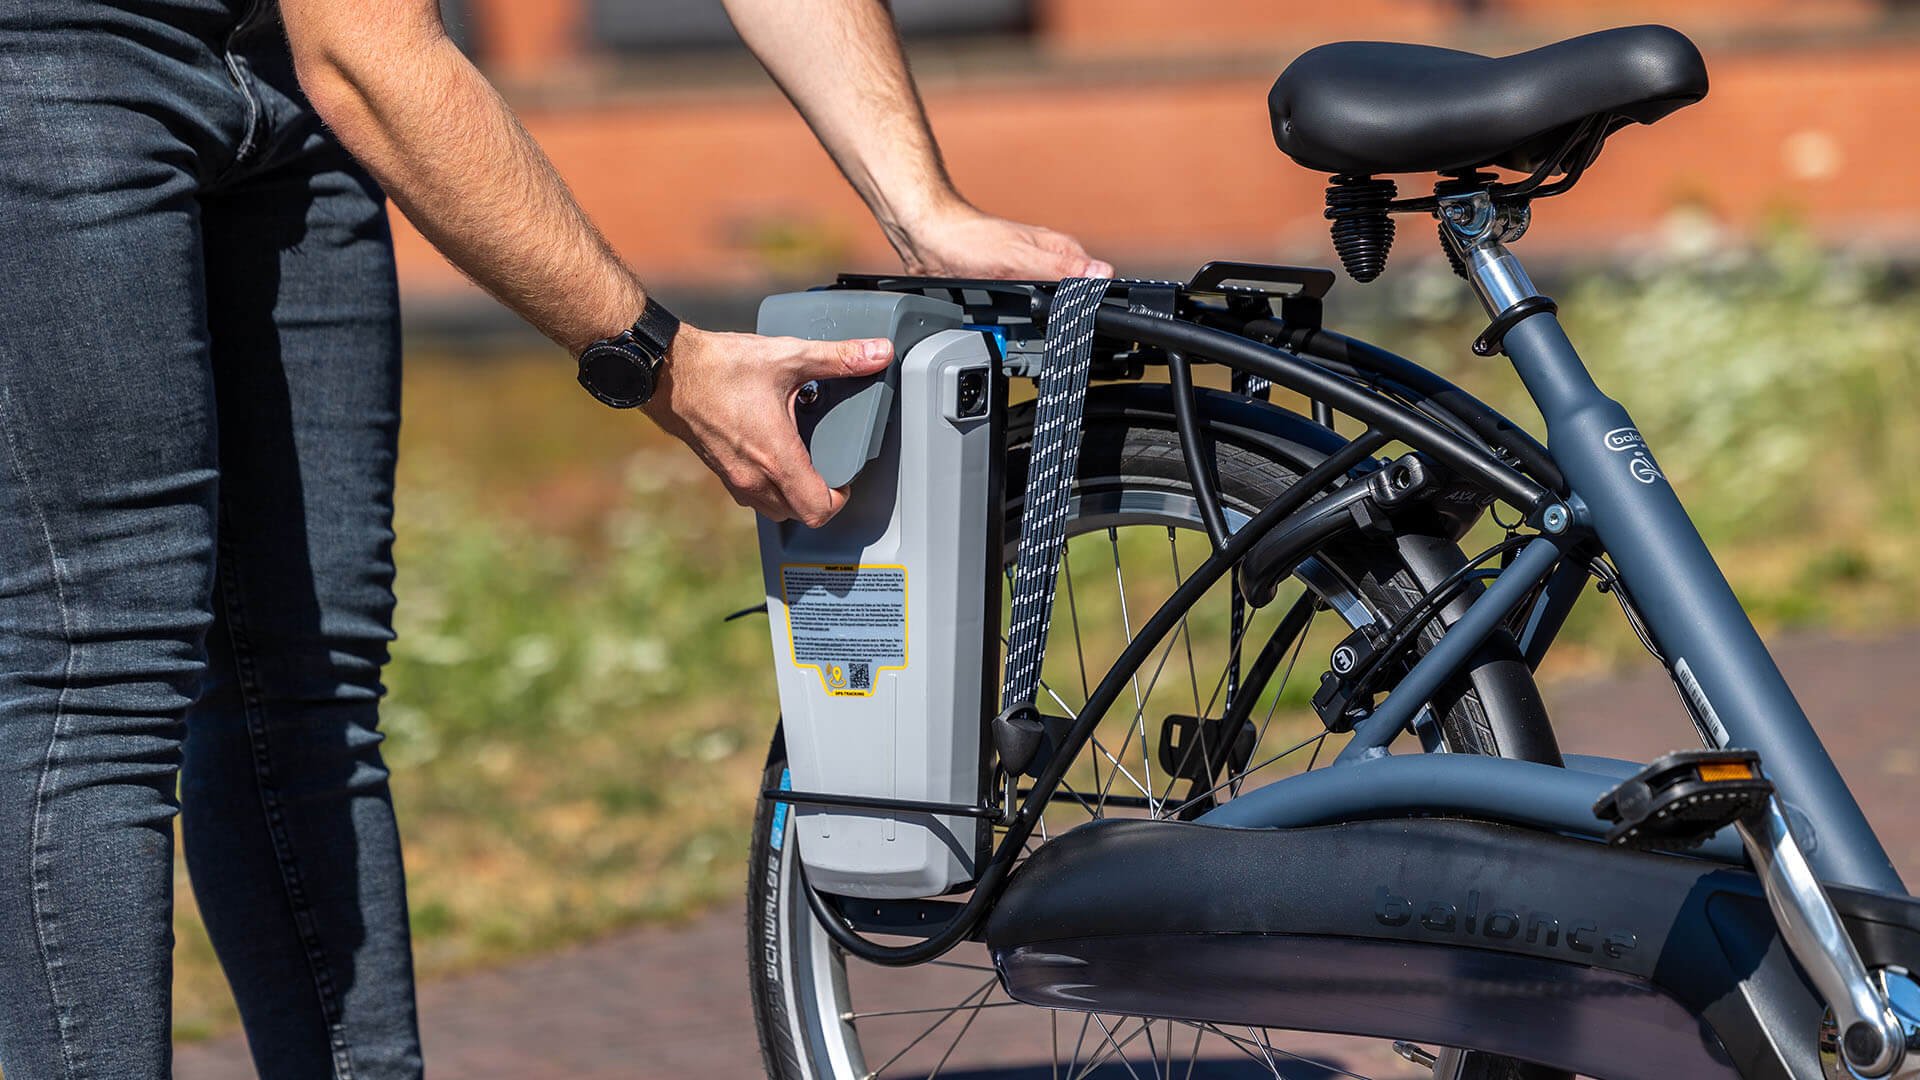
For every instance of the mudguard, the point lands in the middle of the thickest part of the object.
(1484, 936)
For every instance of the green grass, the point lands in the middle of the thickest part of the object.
(576, 735)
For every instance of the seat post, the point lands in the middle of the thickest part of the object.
(1479, 229)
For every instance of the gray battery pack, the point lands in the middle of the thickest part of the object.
(843, 428)
(878, 617)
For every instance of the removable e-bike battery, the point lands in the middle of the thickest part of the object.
(878, 616)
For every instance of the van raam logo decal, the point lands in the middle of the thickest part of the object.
(1624, 438)
(1640, 463)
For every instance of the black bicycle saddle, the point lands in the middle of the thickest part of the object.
(1371, 107)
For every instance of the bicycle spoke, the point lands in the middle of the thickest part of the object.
(1271, 1049)
(1118, 1047)
(1234, 649)
(963, 966)
(923, 1012)
(1053, 1026)
(1233, 782)
(1139, 721)
(1321, 737)
(1121, 769)
(981, 992)
(1286, 677)
(1179, 579)
(1100, 801)
(1193, 1055)
(1200, 713)
(1078, 798)
(964, 1028)
(1086, 1021)
(1079, 648)
(1234, 1041)
(1266, 1049)
(1073, 611)
(1126, 624)
(1153, 1055)
(1112, 1048)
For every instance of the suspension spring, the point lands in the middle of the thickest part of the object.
(1362, 231)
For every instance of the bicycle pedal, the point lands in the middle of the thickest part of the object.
(1683, 798)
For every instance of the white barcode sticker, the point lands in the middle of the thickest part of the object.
(1708, 720)
(848, 623)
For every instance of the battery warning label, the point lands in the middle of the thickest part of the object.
(848, 623)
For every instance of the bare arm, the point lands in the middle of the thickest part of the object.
(403, 100)
(840, 63)
(426, 123)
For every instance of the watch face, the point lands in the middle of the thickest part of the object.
(619, 376)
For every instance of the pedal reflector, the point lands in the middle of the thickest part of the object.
(1725, 770)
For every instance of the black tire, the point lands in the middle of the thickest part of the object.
(1121, 447)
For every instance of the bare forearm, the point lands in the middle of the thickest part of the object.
(839, 62)
(404, 101)
(449, 152)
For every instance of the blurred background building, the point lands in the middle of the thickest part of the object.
(1141, 126)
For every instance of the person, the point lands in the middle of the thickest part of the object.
(199, 396)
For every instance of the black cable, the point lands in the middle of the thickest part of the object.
(1611, 582)
(1196, 449)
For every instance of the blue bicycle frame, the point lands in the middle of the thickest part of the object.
(1617, 489)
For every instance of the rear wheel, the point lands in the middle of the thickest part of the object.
(1134, 533)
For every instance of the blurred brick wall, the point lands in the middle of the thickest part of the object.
(1158, 163)
(1106, 26)
(524, 40)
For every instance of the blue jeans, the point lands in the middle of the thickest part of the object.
(199, 400)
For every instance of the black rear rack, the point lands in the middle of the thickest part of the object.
(1251, 290)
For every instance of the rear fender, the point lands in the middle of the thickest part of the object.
(1606, 962)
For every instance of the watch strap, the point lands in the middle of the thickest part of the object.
(655, 329)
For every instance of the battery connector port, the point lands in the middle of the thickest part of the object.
(971, 399)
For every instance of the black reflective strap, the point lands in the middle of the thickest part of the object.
(1054, 460)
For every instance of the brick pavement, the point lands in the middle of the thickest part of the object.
(671, 1002)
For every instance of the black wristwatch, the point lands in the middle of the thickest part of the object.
(623, 370)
